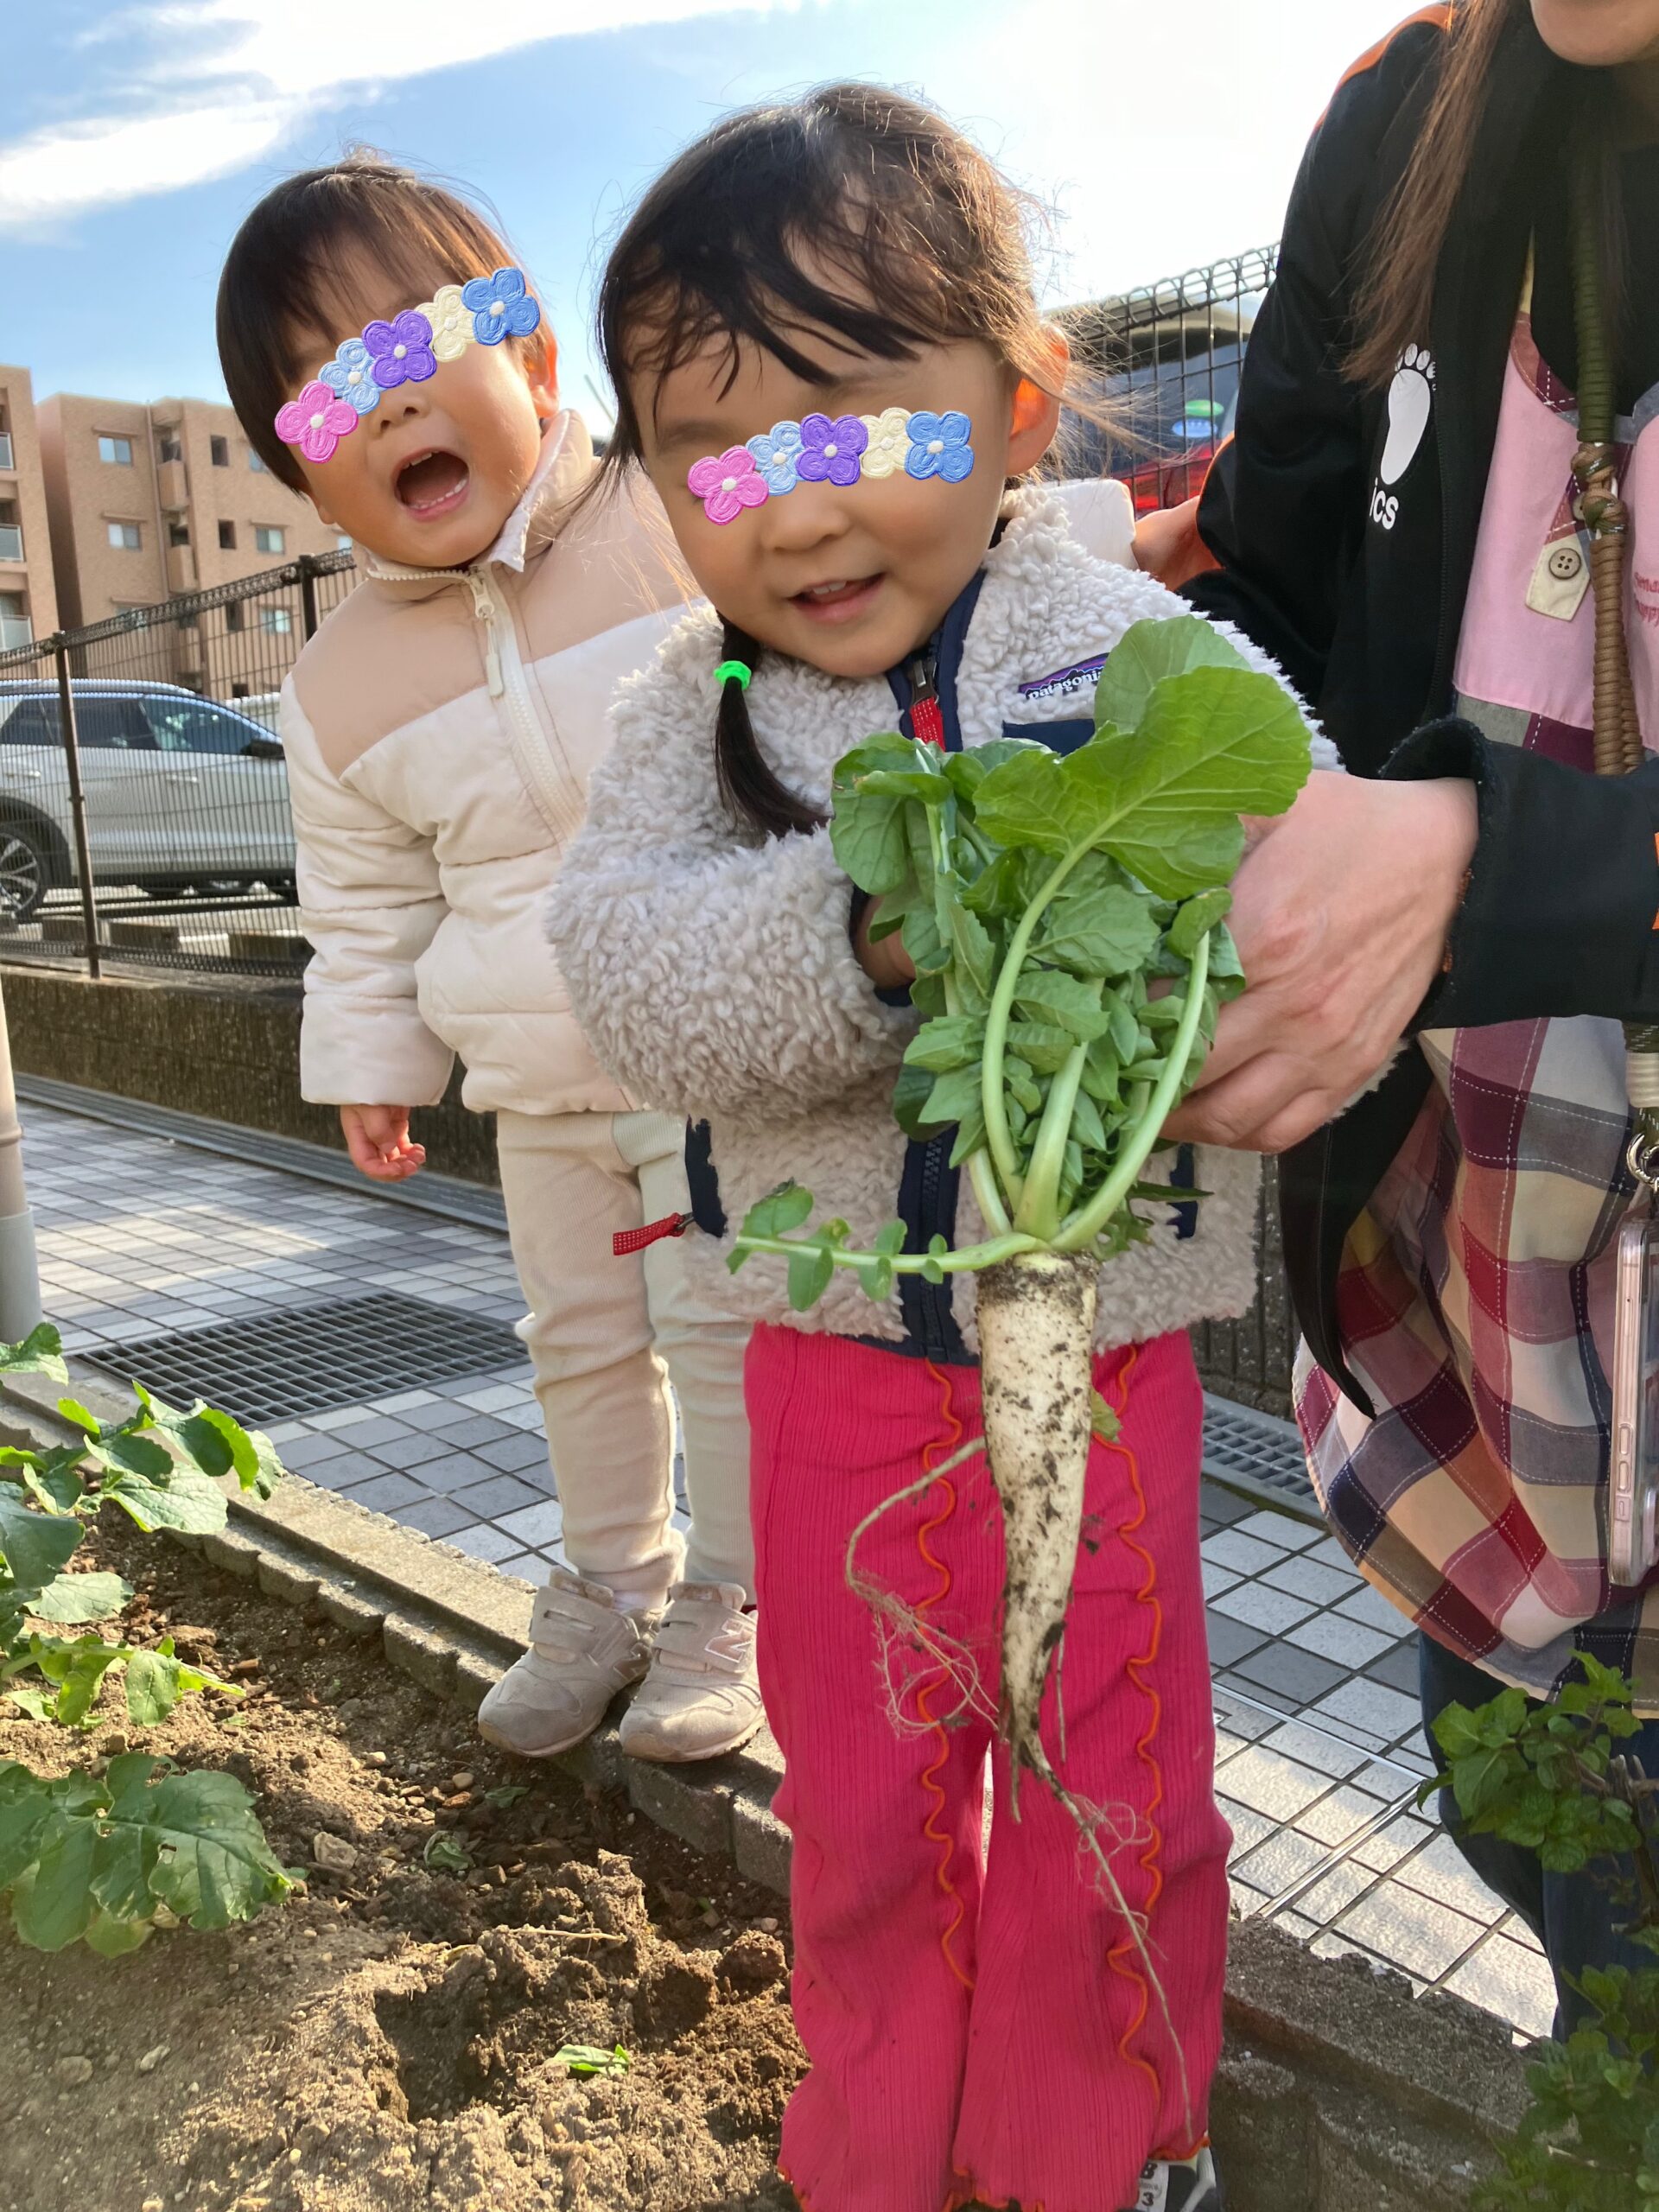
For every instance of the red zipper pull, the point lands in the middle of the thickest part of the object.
(926, 715)
(635, 1240)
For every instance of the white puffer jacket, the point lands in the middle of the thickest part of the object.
(713, 970)
(440, 730)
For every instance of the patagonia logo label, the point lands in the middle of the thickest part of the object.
(1064, 681)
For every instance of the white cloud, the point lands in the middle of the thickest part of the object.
(224, 82)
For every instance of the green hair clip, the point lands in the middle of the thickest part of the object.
(734, 670)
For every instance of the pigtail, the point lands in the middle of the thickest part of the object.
(752, 794)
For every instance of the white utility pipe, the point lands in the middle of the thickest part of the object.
(20, 1281)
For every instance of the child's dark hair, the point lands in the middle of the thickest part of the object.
(915, 239)
(291, 267)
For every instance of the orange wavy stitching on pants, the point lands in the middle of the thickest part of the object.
(1124, 1959)
(931, 1783)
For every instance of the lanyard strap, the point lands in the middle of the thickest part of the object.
(1606, 519)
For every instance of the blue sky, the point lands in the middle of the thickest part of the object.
(1161, 133)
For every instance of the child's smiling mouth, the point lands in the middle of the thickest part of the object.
(839, 601)
(432, 484)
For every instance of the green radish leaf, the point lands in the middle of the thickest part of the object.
(970, 1134)
(953, 1041)
(447, 1854)
(26, 1803)
(1064, 1002)
(968, 770)
(209, 1862)
(780, 1212)
(78, 1416)
(890, 1239)
(1006, 887)
(875, 1278)
(111, 1938)
(155, 1682)
(1213, 744)
(927, 996)
(808, 1276)
(1197, 916)
(73, 1599)
(1086, 1124)
(57, 1480)
(929, 954)
(126, 1449)
(1124, 1030)
(51, 1904)
(1044, 1045)
(34, 1546)
(188, 1501)
(1020, 1083)
(1109, 931)
(910, 1093)
(951, 1097)
(975, 953)
(1146, 654)
(867, 828)
(1101, 1072)
(1103, 1420)
(1027, 801)
(41, 1352)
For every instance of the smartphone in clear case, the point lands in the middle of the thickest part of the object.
(1633, 1482)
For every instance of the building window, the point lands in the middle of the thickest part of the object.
(118, 450)
(227, 537)
(167, 448)
(256, 464)
(178, 533)
(233, 615)
(267, 538)
(277, 621)
(126, 537)
(16, 628)
(220, 450)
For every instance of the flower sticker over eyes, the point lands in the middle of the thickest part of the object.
(350, 376)
(939, 446)
(830, 451)
(452, 325)
(727, 483)
(500, 307)
(316, 422)
(889, 440)
(402, 350)
(776, 452)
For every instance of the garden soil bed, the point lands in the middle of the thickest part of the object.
(386, 2038)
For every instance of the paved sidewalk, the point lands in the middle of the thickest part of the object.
(1320, 1754)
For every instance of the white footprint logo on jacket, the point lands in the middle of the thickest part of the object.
(1411, 397)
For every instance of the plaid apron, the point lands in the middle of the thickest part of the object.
(1475, 1293)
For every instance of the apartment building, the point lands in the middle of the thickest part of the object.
(28, 601)
(148, 502)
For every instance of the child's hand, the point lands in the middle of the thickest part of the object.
(379, 1140)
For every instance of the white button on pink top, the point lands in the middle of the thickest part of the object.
(316, 422)
(728, 483)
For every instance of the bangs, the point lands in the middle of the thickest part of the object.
(298, 265)
(853, 217)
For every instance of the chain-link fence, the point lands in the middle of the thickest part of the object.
(143, 800)
(1165, 362)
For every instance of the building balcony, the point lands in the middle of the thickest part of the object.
(171, 487)
(15, 630)
(181, 570)
(6, 461)
(11, 540)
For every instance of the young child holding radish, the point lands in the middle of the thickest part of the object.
(822, 333)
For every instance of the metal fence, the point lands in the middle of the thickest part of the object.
(144, 800)
(1164, 362)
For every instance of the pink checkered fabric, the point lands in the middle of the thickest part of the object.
(1475, 1293)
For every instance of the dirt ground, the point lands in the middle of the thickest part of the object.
(386, 2038)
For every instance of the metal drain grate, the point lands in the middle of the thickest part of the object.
(1253, 1453)
(295, 1360)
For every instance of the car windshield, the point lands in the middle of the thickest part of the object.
(189, 726)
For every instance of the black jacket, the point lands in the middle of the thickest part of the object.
(1356, 586)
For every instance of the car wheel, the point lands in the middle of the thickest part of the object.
(25, 869)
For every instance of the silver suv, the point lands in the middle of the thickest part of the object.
(182, 794)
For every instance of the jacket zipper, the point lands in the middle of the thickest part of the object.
(503, 669)
(932, 1301)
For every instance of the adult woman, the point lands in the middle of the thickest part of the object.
(1395, 520)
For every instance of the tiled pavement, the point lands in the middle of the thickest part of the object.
(1320, 1755)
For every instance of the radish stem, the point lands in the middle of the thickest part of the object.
(1039, 1202)
(998, 1134)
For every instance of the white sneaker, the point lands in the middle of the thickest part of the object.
(702, 1696)
(583, 1649)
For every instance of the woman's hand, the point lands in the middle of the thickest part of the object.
(1341, 913)
(379, 1140)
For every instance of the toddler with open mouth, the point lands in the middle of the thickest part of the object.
(388, 359)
